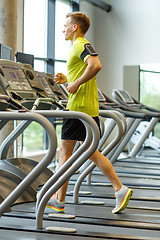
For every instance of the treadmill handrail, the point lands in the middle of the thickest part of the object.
(148, 113)
(147, 107)
(111, 104)
(103, 113)
(22, 126)
(124, 110)
(13, 102)
(75, 155)
(29, 179)
(132, 125)
(78, 163)
(53, 101)
(113, 143)
(154, 118)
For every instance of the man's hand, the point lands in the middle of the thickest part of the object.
(72, 87)
(60, 78)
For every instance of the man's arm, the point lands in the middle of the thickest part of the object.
(93, 67)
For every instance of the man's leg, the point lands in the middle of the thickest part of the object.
(57, 201)
(122, 193)
(66, 150)
(107, 169)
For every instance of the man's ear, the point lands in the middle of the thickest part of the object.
(75, 27)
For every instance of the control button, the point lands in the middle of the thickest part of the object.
(30, 74)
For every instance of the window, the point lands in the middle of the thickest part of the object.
(35, 34)
(43, 38)
(34, 42)
(150, 88)
(150, 85)
(61, 46)
(33, 139)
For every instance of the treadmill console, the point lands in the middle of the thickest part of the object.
(33, 80)
(101, 97)
(124, 95)
(13, 80)
(44, 81)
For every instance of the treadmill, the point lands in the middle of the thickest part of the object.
(18, 95)
(126, 99)
(141, 175)
(89, 224)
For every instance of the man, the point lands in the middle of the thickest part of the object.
(82, 67)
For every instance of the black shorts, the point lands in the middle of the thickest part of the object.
(74, 129)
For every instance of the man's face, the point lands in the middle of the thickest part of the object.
(68, 29)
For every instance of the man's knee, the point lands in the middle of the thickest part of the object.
(67, 147)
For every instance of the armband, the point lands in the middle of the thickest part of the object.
(88, 50)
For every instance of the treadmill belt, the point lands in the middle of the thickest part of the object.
(100, 212)
(83, 229)
(108, 192)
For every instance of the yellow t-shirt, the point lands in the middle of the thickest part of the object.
(86, 98)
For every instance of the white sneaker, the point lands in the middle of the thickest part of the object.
(122, 198)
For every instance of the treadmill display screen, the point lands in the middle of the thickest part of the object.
(12, 75)
(125, 96)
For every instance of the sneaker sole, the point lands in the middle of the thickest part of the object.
(55, 209)
(125, 201)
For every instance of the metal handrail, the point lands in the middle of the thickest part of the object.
(76, 162)
(104, 113)
(22, 126)
(29, 179)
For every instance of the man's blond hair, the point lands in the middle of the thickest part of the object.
(81, 19)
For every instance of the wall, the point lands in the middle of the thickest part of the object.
(20, 12)
(11, 24)
(8, 23)
(89, 9)
(128, 35)
(130, 79)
